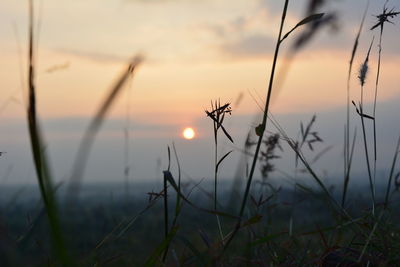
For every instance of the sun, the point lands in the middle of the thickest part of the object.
(188, 133)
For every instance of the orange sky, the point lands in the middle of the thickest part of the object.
(189, 58)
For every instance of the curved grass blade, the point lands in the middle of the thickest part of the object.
(222, 159)
(94, 126)
(39, 157)
(391, 173)
(201, 257)
(155, 256)
(306, 20)
(168, 176)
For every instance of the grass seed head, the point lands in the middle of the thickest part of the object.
(363, 71)
(217, 114)
(384, 17)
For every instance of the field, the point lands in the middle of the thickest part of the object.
(253, 219)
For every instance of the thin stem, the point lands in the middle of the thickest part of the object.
(396, 153)
(215, 165)
(216, 176)
(347, 134)
(348, 168)
(375, 98)
(263, 124)
(266, 109)
(165, 217)
(367, 154)
(376, 88)
(39, 157)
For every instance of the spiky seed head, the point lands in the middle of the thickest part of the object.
(362, 76)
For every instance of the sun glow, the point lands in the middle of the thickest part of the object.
(188, 133)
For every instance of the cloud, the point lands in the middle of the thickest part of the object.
(74, 127)
(249, 46)
(77, 125)
(94, 56)
(250, 36)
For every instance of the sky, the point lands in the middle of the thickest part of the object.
(194, 52)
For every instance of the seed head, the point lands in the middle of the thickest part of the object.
(363, 71)
(384, 17)
(217, 114)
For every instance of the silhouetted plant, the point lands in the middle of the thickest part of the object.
(307, 136)
(217, 114)
(362, 76)
(382, 19)
(268, 155)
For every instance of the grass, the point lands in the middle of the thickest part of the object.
(271, 225)
(42, 171)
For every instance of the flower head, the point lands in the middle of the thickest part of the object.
(217, 114)
(384, 17)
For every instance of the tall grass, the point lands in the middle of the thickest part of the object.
(346, 238)
(94, 126)
(360, 111)
(45, 182)
(260, 129)
(217, 115)
(348, 152)
(382, 19)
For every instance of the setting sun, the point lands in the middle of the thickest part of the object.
(188, 133)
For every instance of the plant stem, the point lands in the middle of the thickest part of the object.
(396, 153)
(165, 216)
(215, 165)
(216, 176)
(347, 152)
(266, 109)
(42, 171)
(264, 121)
(371, 184)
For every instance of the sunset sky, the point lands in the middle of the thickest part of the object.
(194, 52)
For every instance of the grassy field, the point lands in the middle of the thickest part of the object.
(262, 223)
(108, 228)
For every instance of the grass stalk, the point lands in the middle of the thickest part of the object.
(396, 153)
(166, 216)
(347, 153)
(178, 196)
(362, 78)
(376, 92)
(371, 183)
(127, 143)
(261, 127)
(382, 19)
(39, 157)
(217, 114)
(94, 126)
(348, 169)
(216, 178)
(266, 109)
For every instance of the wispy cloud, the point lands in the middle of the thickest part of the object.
(249, 46)
(93, 56)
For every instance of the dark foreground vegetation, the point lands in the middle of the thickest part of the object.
(108, 228)
(184, 225)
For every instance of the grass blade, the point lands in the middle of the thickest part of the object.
(306, 20)
(347, 134)
(154, 257)
(396, 153)
(39, 157)
(94, 126)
